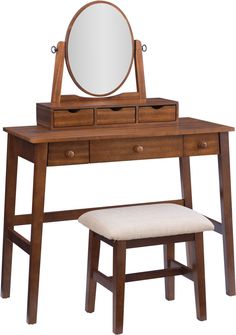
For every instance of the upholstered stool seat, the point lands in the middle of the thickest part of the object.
(134, 222)
(138, 226)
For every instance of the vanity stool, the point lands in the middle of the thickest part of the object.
(139, 226)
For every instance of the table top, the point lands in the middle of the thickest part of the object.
(184, 126)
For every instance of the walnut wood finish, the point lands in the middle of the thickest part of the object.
(226, 213)
(74, 118)
(73, 214)
(199, 276)
(58, 73)
(10, 198)
(40, 165)
(155, 114)
(41, 146)
(186, 271)
(167, 273)
(24, 149)
(146, 242)
(119, 260)
(185, 177)
(44, 116)
(103, 280)
(140, 148)
(93, 259)
(19, 240)
(68, 153)
(116, 283)
(169, 256)
(70, 102)
(113, 112)
(203, 144)
(115, 116)
(139, 70)
(186, 189)
(185, 126)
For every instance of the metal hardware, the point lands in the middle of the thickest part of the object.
(144, 48)
(54, 49)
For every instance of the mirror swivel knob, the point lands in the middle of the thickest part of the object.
(54, 49)
(70, 154)
(203, 145)
(138, 148)
(144, 48)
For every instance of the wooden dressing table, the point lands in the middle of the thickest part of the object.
(74, 130)
(43, 147)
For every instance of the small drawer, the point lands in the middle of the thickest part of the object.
(157, 114)
(203, 144)
(135, 148)
(68, 153)
(72, 118)
(115, 115)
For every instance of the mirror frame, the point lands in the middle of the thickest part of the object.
(67, 40)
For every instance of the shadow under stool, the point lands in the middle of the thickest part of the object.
(140, 226)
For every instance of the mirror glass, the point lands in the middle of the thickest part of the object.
(99, 48)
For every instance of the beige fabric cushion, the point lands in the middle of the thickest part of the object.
(134, 222)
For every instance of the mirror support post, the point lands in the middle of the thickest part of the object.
(58, 73)
(139, 73)
(139, 70)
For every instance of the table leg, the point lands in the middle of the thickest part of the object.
(10, 199)
(185, 177)
(226, 213)
(40, 164)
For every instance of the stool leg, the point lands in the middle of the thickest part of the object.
(199, 276)
(119, 259)
(169, 255)
(93, 260)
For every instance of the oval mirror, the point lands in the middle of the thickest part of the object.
(99, 48)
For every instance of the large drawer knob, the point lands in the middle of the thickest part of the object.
(203, 145)
(70, 154)
(138, 148)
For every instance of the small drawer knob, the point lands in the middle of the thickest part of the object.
(70, 154)
(203, 145)
(138, 148)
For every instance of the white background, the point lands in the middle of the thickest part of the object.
(191, 58)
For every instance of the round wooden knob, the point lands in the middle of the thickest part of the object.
(70, 154)
(138, 148)
(203, 145)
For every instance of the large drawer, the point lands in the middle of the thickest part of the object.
(201, 144)
(135, 148)
(68, 153)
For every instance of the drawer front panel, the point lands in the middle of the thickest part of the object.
(73, 118)
(201, 144)
(157, 114)
(68, 153)
(112, 116)
(136, 148)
